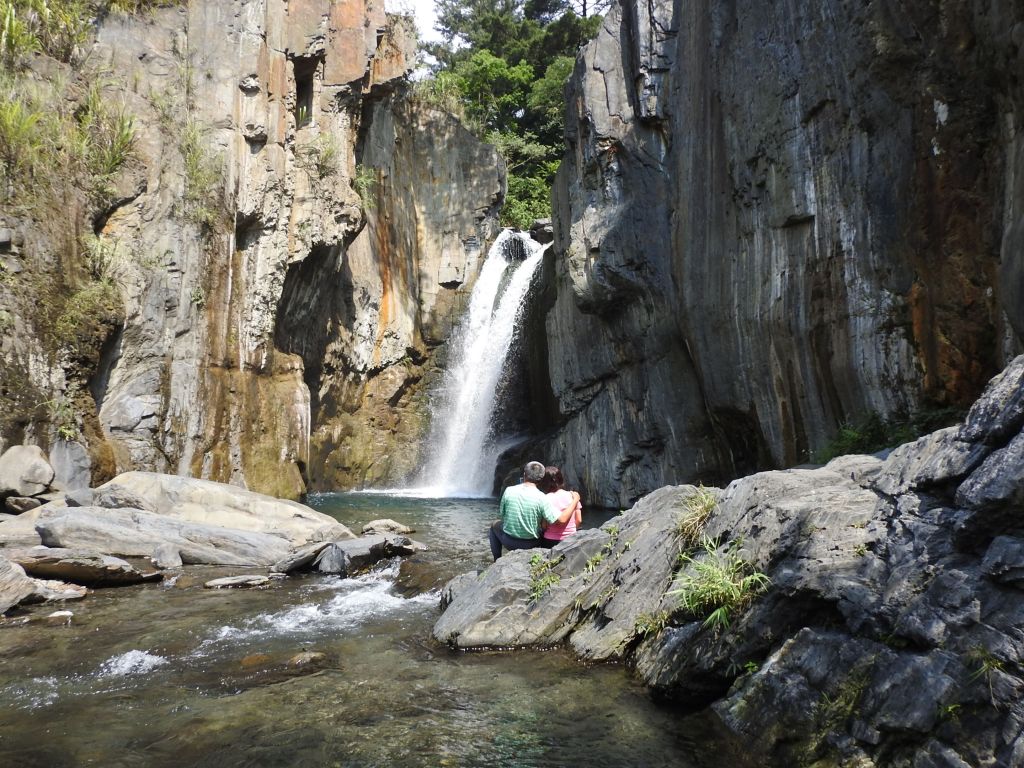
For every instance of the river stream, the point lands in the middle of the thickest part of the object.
(316, 671)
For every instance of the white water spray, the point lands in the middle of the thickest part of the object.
(463, 448)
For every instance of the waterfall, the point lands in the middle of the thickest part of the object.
(463, 448)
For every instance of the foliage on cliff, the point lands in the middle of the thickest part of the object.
(502, 67)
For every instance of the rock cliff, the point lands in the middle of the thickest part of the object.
(291, 240)
(774, 218)
(872, 607)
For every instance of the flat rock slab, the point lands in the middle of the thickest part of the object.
(90, 569)
(133, 533)
(18, 504)
(228, 506)
(52, 590)
(237, 582)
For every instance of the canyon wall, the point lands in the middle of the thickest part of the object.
(292, 240)
(775, 218)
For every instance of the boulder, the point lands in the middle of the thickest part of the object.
(18, 504)
(24, 471)
(386, 525)
(300, 558)
(226, 506)
(166, 556)
(72, 467)
(134, 533)
(998, 414)
(938, 459)
(15, 586)
(79, 567)
(112, 495)
(234, 582)
(348, 557)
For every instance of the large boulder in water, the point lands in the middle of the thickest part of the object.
(219, 504)
(24, 471)
(134, 533)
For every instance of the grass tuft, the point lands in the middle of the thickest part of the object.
(719, 585)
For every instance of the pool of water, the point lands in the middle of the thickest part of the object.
(316, 671)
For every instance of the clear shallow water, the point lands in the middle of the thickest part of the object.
(176, 675)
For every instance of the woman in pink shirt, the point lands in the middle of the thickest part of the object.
(553, 484)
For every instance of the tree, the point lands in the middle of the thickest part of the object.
(509, 61)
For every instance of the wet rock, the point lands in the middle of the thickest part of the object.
(18, 504)
(349, 557)
(306, 658)
(386, 526)
(80, 567)
(60, 618)
(134, 533)
(15, 586)
(24, 471)
(234, 582)
(300, 559)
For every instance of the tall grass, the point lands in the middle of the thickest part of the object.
(718, 585)
(697, 509)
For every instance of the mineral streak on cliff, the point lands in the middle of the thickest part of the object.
(295, 239)
(773, 218)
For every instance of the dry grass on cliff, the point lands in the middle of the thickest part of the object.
(697, 510)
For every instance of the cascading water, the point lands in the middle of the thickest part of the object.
(463, 447)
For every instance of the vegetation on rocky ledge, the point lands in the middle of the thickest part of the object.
(502, 68)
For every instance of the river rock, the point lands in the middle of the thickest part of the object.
(80, 567)
(15, 586)
(24, 471)
(166, 556)
(300, 558)
(232, 582)
(134, 533)
(18, 504)
(113, 495)
(227, 506)
(386, 525)
(935, 459)
(348, 557)
(81, 497)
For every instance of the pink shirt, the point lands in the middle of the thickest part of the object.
(560, 500)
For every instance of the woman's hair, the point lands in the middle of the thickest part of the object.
(552, 480)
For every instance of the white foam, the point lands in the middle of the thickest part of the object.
(131, 663)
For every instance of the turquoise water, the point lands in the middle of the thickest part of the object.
(176, 675)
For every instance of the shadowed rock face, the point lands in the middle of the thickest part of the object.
(773, 218)
(888, 632)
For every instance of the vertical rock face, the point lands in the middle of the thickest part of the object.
(773, 218)
(292, 242)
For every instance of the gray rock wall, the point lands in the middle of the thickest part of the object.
(773, 218)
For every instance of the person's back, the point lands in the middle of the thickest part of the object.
(559, 500)
(522, 508)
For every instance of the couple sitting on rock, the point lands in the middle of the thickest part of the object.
(538, 512)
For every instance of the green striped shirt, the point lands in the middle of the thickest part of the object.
(522, 508)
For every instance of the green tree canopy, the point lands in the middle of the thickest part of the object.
(506, 63)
